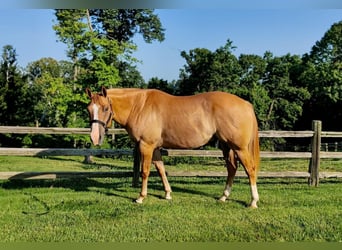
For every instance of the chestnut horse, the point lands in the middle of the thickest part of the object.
(155, 119)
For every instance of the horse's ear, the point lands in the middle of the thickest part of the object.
(104, 91)
(88, 91)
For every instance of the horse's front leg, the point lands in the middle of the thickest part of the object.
(146, 158)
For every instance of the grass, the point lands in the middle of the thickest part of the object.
(102, 210)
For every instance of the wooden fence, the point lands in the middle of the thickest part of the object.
(314, 155)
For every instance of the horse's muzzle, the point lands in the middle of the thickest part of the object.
(97, 133)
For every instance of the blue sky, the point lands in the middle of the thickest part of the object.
(253, 31)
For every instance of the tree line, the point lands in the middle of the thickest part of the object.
(288, 91)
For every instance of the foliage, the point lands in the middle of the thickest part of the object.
(86, 48)
(13, 91)
(208, 71)
(100, 41)
(287, 97)
(130, 77)
(322, 77)
(122, 24)
(250, 88)
(163, 85)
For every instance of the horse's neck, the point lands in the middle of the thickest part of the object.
(124, 101)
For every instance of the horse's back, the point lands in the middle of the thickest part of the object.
(220, 107)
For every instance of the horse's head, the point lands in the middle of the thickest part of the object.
(100, 114)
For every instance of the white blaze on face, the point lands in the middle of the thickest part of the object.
(95, 133)
(95, 111)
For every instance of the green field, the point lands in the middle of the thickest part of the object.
(102, 210)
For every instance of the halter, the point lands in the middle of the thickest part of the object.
(104, 125)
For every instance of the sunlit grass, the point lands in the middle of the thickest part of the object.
(102, 210)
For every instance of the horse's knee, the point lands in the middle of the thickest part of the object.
(145, 174)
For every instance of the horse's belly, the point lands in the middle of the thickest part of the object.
(189, 138)
(189, 128)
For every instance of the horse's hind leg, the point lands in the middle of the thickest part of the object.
(231, 164)
(250, 168)
(157, 161)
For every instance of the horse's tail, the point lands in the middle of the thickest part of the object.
(254, 147)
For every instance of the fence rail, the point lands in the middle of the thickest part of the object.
(86, 131)
(313, 173)
(53, 130)
(165, 152)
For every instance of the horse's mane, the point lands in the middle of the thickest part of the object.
(126, 92)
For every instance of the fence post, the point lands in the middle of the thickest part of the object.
(316, 148)
(136, 166)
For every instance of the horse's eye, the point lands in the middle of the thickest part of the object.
(106, 109)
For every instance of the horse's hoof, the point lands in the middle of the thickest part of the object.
(253, 205)
(223, 198)
(168, 196)
(139, 200)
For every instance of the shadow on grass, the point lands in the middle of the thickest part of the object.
(179, 186)
(93, 165)
(119, 187)
(79, 184)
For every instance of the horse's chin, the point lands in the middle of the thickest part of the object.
(100, 143)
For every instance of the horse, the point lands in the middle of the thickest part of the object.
(155, 119)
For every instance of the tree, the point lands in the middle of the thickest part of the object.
(130, 77)
(329, 48)
(206, 70)
(253, 68)
(195, 72)
(87, 47)
(163, 85)
(122, 24)
(44, 65)
(12, 88)
(322, 76)
(51, 88)
(100, 41)
(281, 82)
(74, 32)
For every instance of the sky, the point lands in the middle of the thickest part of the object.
(253, 31)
